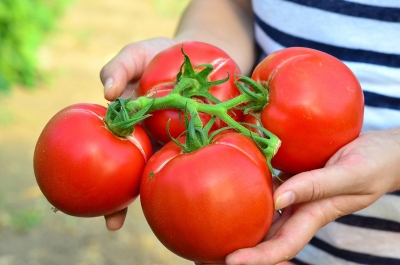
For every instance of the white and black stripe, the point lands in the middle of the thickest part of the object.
(365, 35)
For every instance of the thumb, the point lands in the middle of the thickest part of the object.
(128, 65)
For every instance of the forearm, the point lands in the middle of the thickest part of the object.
(227, 24)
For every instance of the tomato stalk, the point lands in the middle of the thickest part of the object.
(127, 113)
(123, 114)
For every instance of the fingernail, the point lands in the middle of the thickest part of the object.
(285, 200)
(108, 84)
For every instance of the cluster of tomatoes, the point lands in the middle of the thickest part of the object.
(205, 204)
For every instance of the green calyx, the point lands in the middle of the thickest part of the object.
(201, 89)
(258, 95)
(196, 136)
(120, 120)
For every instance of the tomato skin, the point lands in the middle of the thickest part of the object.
(206, 204)
(82, 168)
(159, 78)
(315, 107)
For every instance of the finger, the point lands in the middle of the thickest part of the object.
(317, 184)
(128, 65)
(278, 222)
(125, 67)
(116, 220)
(290, 238)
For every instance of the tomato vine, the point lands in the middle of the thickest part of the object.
(123, 114)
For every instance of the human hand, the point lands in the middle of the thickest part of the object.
(120, 76)
(354, 178)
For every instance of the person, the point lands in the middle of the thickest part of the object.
(349, 211)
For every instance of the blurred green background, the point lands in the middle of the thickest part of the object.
(23, 24)
(51, 53)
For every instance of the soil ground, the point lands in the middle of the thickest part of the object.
(89, 34)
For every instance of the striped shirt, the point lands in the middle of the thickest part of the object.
(365, 35)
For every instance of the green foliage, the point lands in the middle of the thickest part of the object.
(23, 24)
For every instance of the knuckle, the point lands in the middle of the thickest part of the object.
(317, 191)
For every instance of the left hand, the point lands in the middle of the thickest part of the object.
(354, 178)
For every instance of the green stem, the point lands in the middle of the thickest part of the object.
(269, 145)
(234, 102)
(122, 115)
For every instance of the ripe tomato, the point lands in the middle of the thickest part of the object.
(159, 78)
(206, 204)
(315, 106)
(85, 170)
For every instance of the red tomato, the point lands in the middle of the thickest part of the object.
(159, 78)
(206, 204)
(315, 106)
(85, 170)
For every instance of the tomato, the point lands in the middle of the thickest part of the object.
(315, 106)
(159, 78)
(208, 203)
(85, 170)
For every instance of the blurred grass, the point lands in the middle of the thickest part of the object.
(23, 25)
(23, 28)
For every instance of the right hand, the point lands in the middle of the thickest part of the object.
(120, 76)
